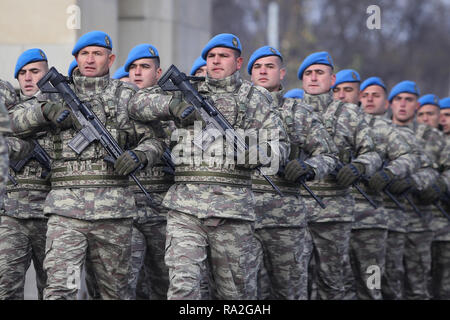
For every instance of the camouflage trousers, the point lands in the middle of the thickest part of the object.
(21, 240)
(283, 261)
(392, 280)
(367, 253)
(155, 275)
(228, 245)
(440, 270)
(417, 261)
(106, 244)
(330, 244)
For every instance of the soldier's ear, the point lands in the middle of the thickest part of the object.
(239, 62)
(111, 59)
(282, 73)
(386, 105)
(333, 79)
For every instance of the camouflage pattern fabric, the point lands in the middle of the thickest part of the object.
(417, 261)
(263, 280)
(367, 248)
(283, 258)
(89, 240)
(331, 241)
(392, 281)
(138, 249)
(21, 241)
(231, 256)
(155, 270)
(440, 271)
(8, 97)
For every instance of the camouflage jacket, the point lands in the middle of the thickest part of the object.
(399, 158)
(156, 178)
(206, 184)
(84, 186)
(26, 199)
(306, 133)
(423, 178)
(351, 134)
(7, 97)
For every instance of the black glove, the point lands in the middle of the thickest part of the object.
(58, 114)
(431, 194)
(186, 114)
(380, 180)
(296, 169)
(402, 185)
(349, 173)
(129, 161)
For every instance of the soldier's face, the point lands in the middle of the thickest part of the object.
(373, 100)
(429, 115)
(444, 120)
(268, 73)
(29, 75)
(201, 72)
(144, 73)
(222, 62)
(347, 92)
(94, 61)
(404, 107)
(318, 79)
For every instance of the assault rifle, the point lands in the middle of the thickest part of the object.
(216, 124)
(92, 129)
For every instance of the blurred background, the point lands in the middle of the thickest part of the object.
(411, 40)
(395, 40)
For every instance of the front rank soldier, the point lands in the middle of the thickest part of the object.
(90, 206)
(281, 221)
(211, 204)
(24, 225)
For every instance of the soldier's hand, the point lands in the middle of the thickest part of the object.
(349, 173)
(402, 185)
(58, 114)
(129, 161)
(18, 148)
(186, 114)
(380, 180)
(296, 169)
(431, 194)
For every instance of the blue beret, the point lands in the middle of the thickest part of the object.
(404, 86)
(141, 51)
(429, 99)
(372, 81)
(226, 40)
(72, 66)
(92, 38)
(262, 52)
(294, 93)
(120, 73)
(198, 63)
(322, 57)
(31, 55)
(347, 75)
(444, 103)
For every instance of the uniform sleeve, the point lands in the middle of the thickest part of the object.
(27, 118)
(261, 116)
(311, 136)
(353, 132)
(16, 147)
(148, 106)
(404, 159)
(150, 141)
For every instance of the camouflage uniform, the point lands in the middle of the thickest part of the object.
(211, 203)
(281, 221)
(24, 225)
(7, 98)
(418, 236)
(440, 247)
(330, 227)
(370, 229)
(150, 224)
(90, 208)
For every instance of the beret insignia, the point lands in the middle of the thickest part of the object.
(235, 42)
